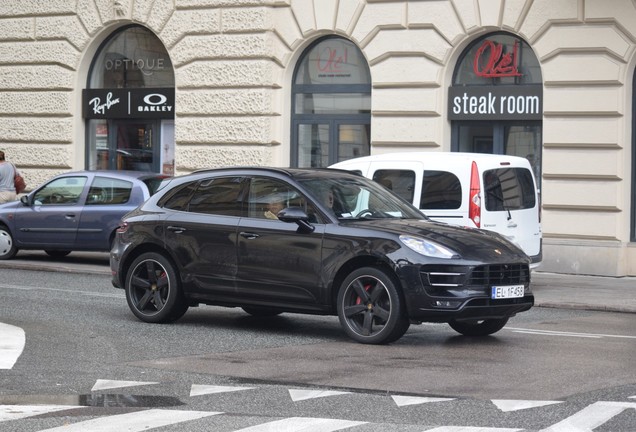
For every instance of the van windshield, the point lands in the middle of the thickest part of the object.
(509, 189)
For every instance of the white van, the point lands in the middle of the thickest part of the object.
(493, 192)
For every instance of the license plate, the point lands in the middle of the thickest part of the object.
(506, 291)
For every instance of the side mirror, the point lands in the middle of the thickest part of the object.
(297, 215)
(24, 199)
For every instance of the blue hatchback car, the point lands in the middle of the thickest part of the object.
(73, 211)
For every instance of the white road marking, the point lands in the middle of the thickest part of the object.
(112, 384)
(303, 424)
(15, 412)
(198, 389)
(12, 340)
(134, 422)
(415, 400)
(86, 293)
(590, 417)
(515, 405)
(561, 333)
(298, 395)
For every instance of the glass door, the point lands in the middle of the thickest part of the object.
(329, 141)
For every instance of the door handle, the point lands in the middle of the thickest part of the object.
(249, 235)
(70, 216)
(175, 229)
(512, 225)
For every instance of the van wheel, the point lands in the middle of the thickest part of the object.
(478, 327)
(370, 308)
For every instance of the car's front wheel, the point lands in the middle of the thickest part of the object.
(478, 327)
(370, 307)
(153, 291)
(7, 246)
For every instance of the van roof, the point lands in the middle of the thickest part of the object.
(436, 155)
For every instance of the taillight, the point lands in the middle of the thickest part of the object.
(474, 205)
(122, 228)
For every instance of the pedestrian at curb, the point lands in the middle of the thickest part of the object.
(7, 179)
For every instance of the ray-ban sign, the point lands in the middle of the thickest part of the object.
(128, 103)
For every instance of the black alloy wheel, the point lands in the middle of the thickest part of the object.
(152, 289)
(370, 307)
(478, 327)
(7, 246)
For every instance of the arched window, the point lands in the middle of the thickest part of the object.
(331, 104)
(129, 104)
(496, 100)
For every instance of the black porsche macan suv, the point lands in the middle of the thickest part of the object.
(317, 241)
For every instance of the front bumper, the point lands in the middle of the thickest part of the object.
(440, 293)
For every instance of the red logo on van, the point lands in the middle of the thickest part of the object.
(492, 62)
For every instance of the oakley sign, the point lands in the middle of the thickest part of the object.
(128, 103)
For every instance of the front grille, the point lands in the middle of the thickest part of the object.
(500, 274)
(479, 276)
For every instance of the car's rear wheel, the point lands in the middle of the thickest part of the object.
(478, 327)
(57, 253)
(153, 291)
(261, 311)
(7, 245)
(370, 307)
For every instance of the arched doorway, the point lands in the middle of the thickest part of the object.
(331, 104)
(128, 104)
(496, 100)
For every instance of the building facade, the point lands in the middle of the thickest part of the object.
(177, 85)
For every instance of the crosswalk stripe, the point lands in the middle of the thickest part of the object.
(199, 389)
(416, 400)
(16, 412)
(298, 395)
(12, 340)
(101, 384)
(134, 422)
(303, 424)
(515, 405)
(470, 429)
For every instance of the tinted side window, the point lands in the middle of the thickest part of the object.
(179, 198)
(441, 190)
(219, 196)
(401, 182)
(269, 196)
(508, 189)
(106, 190)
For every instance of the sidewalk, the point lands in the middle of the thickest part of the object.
(550, 289)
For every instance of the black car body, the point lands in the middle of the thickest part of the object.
(342, 245)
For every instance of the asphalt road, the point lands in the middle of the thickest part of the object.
(549, 369)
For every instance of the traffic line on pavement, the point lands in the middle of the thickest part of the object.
(134, 422)
(12, 341)
(298, 395)
(571, 334)
(16, 412)
(304, 424)
(507, 405)
(199, 390)
(416, 400)
(39, 288)
(112, 384)
(591, 417)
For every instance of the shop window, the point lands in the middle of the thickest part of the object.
(331, 104)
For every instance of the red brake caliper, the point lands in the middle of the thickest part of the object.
(366, 288)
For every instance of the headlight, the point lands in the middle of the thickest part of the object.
(427, 247)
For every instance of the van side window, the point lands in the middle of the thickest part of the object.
(401, 182)
(440, 190)
(508, 189)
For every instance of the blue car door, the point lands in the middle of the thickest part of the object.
(52, 217)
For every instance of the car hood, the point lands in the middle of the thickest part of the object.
(9, 207)
(469, 243)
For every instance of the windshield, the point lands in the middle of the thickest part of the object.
(352, 197)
